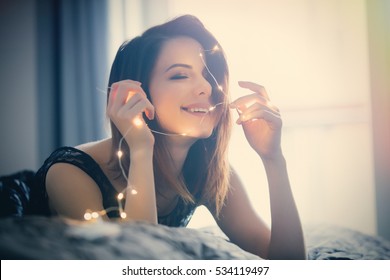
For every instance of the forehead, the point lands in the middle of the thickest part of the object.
(179, 50)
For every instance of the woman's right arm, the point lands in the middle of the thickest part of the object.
(72, 192)
(142, 205)
(126, 104)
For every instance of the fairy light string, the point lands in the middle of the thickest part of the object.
(213, 50)
(138, 122)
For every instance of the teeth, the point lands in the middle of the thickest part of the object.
(197, 110)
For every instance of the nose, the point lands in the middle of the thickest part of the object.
(203, 87)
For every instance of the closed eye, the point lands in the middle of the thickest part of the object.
(179, 77)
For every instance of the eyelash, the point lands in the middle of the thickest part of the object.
(185, 76)
(179, 77)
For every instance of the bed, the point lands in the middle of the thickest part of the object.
(38, 237)
(31, 236)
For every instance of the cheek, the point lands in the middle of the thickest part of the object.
(166, 97)
(167, 109)
(163, 102)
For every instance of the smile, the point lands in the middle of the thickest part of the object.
(199, 109)
(196, 110)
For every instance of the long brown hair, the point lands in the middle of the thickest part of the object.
(205, 173)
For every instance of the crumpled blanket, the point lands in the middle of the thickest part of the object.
(36, 237)
(330, 242)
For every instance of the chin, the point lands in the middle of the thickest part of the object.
(201, 131)
(200, 134)
(197, 132)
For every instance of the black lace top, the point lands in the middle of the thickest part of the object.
(179, 217)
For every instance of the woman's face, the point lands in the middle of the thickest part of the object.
(180, 92)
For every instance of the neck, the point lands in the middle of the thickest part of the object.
(178, 148)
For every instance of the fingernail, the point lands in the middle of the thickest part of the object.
(150, 115)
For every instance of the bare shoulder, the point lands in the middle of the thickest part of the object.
(60, 173)
(71, 191)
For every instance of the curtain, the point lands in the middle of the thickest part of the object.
(72, 72)
(129, 18)
(379, 50)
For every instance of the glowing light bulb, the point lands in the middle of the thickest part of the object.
(137, 122)
(123, 215)
(134, 192)
(87, 216)
(95, 215)
(220, 88)
(120, 196)
(119, 154)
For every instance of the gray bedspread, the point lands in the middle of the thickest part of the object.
(329, 242)
(53, 238)
(35, 237)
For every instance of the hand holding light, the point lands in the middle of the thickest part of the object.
(260, 119)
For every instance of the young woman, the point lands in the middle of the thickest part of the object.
(170, 120)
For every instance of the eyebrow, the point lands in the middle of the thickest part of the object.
(178, 65)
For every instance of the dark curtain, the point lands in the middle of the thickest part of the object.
(72, 72)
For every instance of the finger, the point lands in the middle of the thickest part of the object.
(112, 95)
(127, 87)
(273, 121)
(116, 84)
(254, 87)
(122, 93)
(258, 106)
(262, 105)
(254, 112)
(137, 100)
(119, 94)
(135, 114)
(134, 86)
(259, 112)
(244, 102)
(139, 108)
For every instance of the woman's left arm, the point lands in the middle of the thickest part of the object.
(262, 125)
